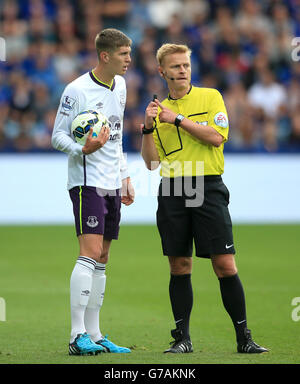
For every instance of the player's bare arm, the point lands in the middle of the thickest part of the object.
(92, 144)
(127, 193)
(149, 151)
(204, 133)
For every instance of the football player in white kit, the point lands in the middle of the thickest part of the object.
(98, 182)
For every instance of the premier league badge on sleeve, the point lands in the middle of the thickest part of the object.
(221, 120)
(68, 103)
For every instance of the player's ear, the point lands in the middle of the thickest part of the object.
(104, 56)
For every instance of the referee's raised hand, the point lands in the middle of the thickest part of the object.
(166, 115)
(149, 151)
(150, 114)
(92, 144)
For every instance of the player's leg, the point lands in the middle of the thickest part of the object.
(81, 280)
(111, 232)
(95, 303)
(80, 291)
(233, 298)
(90, 237)
(91, 318)
(90, 245)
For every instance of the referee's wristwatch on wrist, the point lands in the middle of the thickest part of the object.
(178, 120)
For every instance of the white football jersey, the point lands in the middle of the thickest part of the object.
(106, 167)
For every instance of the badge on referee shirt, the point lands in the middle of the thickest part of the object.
(221, 120)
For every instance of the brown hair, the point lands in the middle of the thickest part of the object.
(168, 49)
(111, 39)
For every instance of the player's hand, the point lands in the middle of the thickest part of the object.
(92, 144)
(150, 114)
(166, 115)
(127, 193)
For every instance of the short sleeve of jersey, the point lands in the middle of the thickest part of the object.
(217, 117)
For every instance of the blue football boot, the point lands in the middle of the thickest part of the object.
(83, 345)
(110, 347)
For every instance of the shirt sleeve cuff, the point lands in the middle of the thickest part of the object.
(76, 149)
(124, 174)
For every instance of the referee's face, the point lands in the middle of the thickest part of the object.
(176, 69)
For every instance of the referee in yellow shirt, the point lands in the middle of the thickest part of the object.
(185, 134)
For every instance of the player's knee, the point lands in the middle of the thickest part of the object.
(91, 246)
(93, 252)
(104, 257)
(96, 255)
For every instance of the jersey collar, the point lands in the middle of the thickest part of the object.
(97, 81)
(182, 98)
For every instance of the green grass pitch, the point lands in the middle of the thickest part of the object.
(35, 267)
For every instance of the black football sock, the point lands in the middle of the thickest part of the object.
(181, 297)
(234, 302)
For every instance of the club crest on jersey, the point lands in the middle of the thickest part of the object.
(68, 103)
(92, 221)
(221, 120)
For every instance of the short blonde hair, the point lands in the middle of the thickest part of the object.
(168, 49)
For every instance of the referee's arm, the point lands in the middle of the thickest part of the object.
(205, 133)
(149, 151)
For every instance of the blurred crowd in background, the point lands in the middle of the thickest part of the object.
(241, 47)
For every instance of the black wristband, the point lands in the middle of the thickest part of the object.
(146, 131)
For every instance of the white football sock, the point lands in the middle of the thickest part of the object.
(80, 290)
(91, 316)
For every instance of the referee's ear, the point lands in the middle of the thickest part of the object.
(161, 72)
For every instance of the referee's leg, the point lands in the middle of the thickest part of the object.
(234, 301)
(181, 292)
(231, 291)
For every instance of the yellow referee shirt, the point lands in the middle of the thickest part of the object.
(181, 154)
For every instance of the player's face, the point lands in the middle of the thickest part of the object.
(119, 60)
(176, 69)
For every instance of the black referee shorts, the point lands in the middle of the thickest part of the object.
(181, 219)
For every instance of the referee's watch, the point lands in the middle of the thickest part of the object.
(178, 120)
